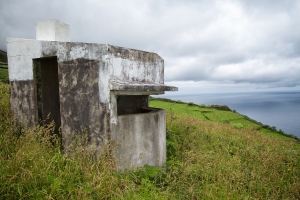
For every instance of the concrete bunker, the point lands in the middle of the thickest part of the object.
(100, 88)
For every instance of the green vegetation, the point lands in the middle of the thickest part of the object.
(210, 156)
(3, 67)
(218, 113)
(3, 73)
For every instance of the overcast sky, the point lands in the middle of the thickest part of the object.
(208, 46)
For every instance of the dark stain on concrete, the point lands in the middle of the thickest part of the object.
(49, 48)
(81, 109)
(133, 54)
(156, 118)
(23, 102)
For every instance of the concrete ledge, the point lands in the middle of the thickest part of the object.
(138, 86)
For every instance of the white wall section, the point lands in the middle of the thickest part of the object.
(20, 53)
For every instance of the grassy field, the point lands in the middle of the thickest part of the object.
(212, 154)
(217, 113)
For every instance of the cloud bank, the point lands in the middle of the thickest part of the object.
(235, 44)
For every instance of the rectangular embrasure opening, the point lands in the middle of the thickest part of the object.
(132, 104)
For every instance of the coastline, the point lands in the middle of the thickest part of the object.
(221, 106)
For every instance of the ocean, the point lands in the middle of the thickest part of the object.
(279, 109)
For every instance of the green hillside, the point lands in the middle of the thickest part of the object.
(3, 56)
(217, 113)
(212, 153)
(3, 67)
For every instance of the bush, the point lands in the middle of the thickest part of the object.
(221, 107)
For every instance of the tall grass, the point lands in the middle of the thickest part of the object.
(206, 160)
(226, 162)
(3, 72)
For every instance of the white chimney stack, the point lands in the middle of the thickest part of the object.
(52, 30)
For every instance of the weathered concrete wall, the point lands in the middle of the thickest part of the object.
(79, 82)
(23, 102)
(131, 65)
(22, 85)
(20, 53)
(141, 139)
(80, 105)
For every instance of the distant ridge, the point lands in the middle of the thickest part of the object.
(3, 56)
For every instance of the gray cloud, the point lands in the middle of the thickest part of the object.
(240, 41)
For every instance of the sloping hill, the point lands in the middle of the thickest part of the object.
(3, 56)
(217, 113)
(212, 153)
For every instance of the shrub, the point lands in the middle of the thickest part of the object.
(221, 107)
